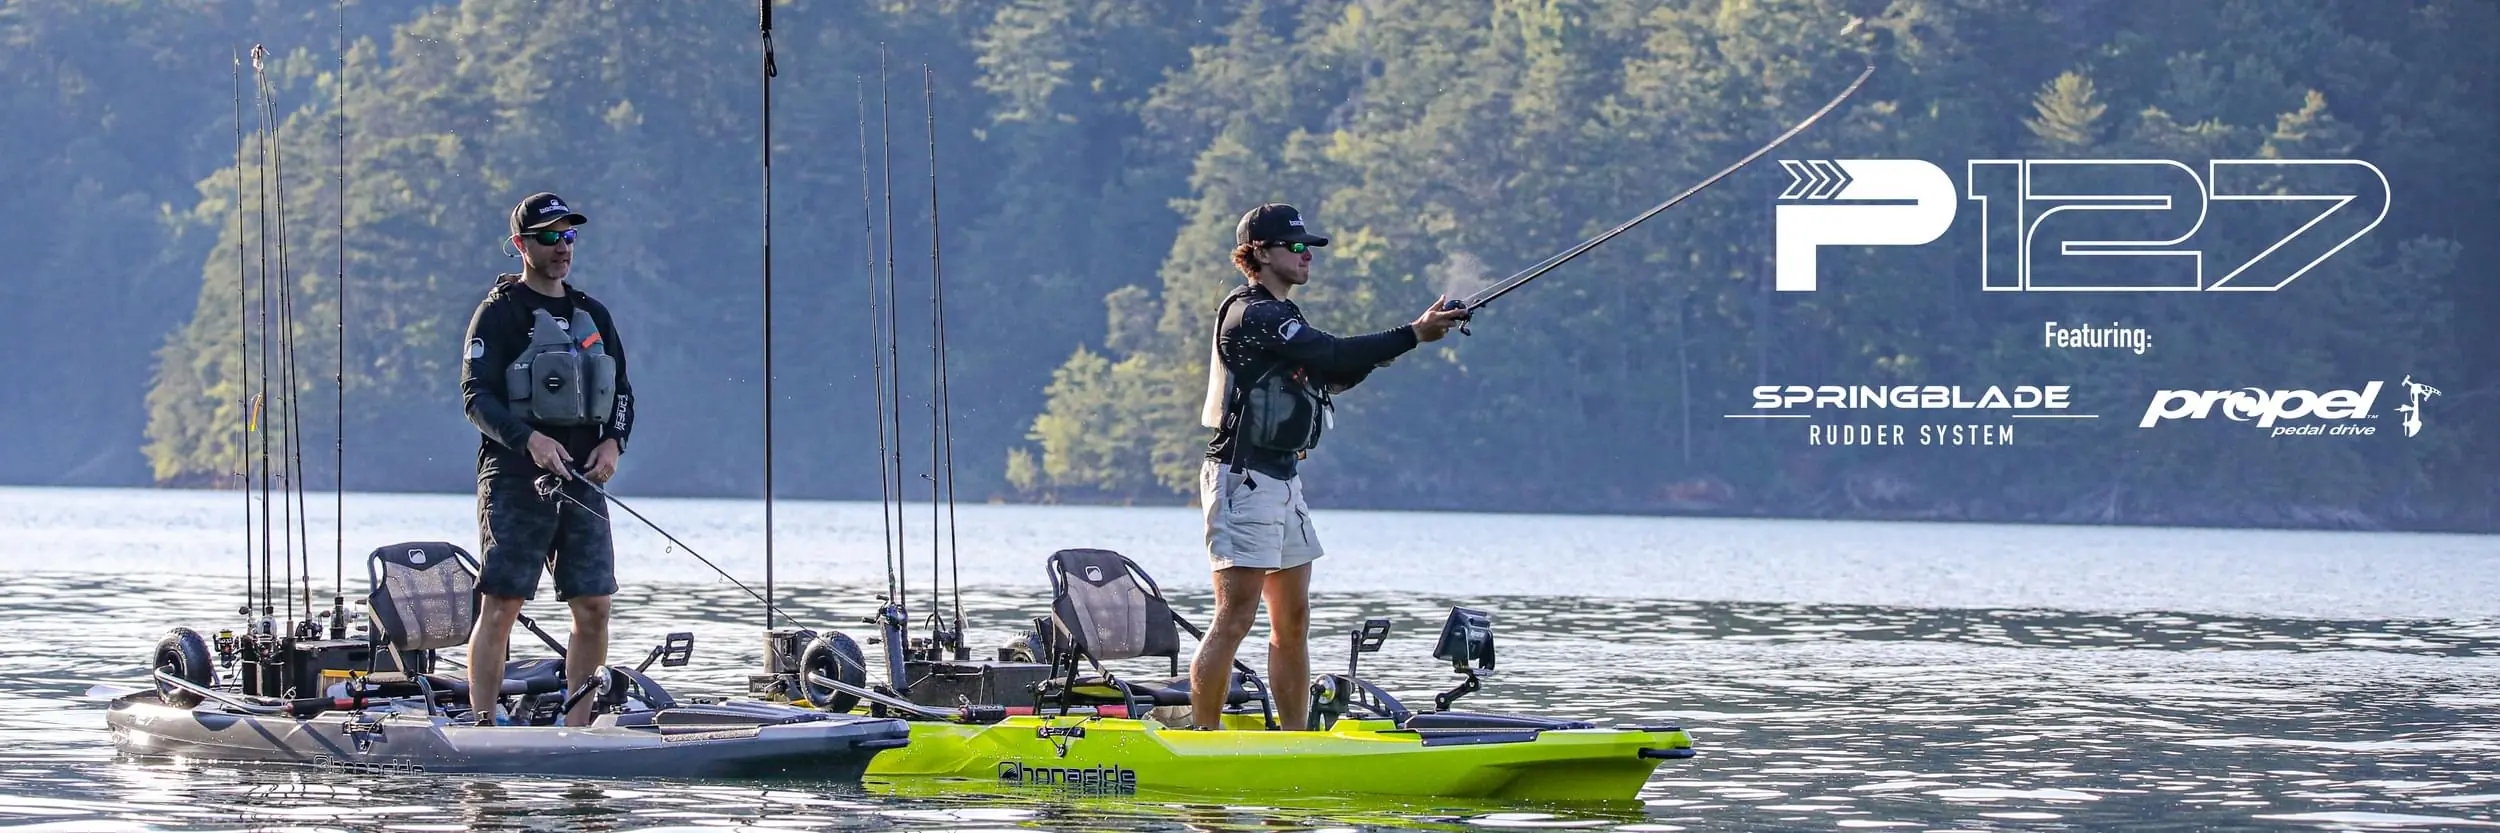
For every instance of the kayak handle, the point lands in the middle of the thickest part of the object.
(1667, 754)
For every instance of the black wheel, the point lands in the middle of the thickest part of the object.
(1026, 648)
(834, 656)
(185, 653)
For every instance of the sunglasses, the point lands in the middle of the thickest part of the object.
(550, 238)
(1296, 248)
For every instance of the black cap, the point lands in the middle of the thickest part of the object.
(541, 209)
(1275, 222)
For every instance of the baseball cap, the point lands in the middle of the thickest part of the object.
(541, 209)
(1275, 222)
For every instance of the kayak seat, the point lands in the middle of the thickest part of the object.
(1105, 608)
(1100, 690)
(424, 596)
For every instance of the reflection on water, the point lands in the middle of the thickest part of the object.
(1806, 716)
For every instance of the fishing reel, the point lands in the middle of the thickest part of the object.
(1462, 320)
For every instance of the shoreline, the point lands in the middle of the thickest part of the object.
(1834, 505)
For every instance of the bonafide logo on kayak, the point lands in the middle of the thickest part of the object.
(368, 767)
(1102, 778)
(1806, 402)
(2290, 413)
(2058, 208)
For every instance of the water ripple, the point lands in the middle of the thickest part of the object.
(1809, 715)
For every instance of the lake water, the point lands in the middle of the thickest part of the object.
(1835, 676)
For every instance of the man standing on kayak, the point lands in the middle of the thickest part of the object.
(545, 384)
(1269, 379)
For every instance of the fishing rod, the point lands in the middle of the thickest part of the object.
(764, 11)
(298, 548)
(942, 419)
(1487, 295)
(260, 54)
(244, 403)
(893, 621)
(876, 329)
(551, 487)
(338, 593)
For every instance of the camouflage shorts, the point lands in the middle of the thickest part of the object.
(523, 534)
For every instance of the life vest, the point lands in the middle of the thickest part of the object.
(1280, 409)
(560, 379)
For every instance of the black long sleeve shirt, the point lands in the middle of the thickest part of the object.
(1260, 330)
(498, 331)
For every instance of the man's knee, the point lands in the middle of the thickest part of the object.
(590, 610)
(498, 611)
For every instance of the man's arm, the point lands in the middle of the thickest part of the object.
(1336, 359)
(488, 349)
(620, 425)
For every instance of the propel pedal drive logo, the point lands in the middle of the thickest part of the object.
(2290, 413)
(2062, 208)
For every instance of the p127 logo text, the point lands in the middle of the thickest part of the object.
(2067, 225)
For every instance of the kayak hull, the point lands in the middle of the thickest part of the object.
(1355, 757)
(692, 741)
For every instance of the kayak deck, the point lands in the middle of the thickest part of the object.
(696, 740)
(1123, 755)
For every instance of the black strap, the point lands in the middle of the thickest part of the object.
(1230, 421)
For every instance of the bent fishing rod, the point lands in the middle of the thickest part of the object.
(1487, 295)
(550, 488)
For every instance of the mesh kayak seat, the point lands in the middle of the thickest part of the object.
(424, 598)
(1105, 608)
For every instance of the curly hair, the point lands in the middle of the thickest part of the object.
(1242, 258)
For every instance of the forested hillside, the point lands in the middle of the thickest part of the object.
(1092, 157)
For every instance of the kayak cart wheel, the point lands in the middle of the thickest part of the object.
(835, 656)
(185, 653)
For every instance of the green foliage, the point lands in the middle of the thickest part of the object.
(1445, 147)
(1093, 157)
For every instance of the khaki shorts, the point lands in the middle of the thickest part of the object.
(1254, 520)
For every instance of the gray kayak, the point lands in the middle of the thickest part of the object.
(688, 740)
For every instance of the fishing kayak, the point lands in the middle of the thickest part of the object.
(723, 740)
(1034, 718)
(1442, 755)
(375, 703)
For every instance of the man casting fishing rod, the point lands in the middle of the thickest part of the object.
(545, 384)
(1269, 380)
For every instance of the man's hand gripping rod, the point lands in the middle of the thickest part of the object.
(1486, 295)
